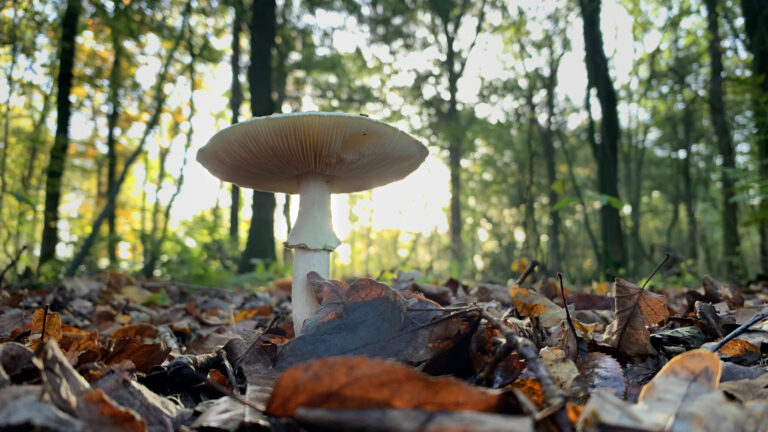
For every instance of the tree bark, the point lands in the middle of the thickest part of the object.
(731, 241)
(261, 234)
(756, 26)
(58, 157)
(613, 251)
(235, 101)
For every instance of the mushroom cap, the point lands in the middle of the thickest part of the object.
(271, 153)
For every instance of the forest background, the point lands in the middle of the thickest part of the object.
(590, 136)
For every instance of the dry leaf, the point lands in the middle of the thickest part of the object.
(100, 413)
(364, 383)
(530, 303)
(636, 311)
(598, 371)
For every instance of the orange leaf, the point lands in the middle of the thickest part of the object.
(683, 379)
(101, 413)
(252, 312)
(52, 326)
(363, 383)
(735, 347)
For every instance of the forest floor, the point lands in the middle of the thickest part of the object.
(111, 353)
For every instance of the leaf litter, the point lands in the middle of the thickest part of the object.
(110, 353)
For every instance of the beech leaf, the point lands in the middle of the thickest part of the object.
(366, 383)
(636, 311)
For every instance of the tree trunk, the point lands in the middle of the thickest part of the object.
(261, 234)
(235, 101)
(756, 25)
(115, 80)
(554, 257)
(159, 101)
(731, 242)
(613, 252)
(58, 158)
(157, 245)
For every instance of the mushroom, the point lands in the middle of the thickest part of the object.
(314, 155)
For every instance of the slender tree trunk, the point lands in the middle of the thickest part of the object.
(157, 245)
(261, 234)
(7, 115)
(756, 24)
(235, 101)
(688, 189)
(531, 233)
(58, 158)
(159, 101)
(613, 251)
(554, 258)
(731, 242)
(115, 80)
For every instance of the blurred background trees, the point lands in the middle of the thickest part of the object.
(589, 135)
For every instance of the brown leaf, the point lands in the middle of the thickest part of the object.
(679, 398)
(404, 420)
(636, 310)
(143, 355)
(52, 327)
(101, 413)
(141, 331)
(716, 291)
(682, 380)
(363, 383)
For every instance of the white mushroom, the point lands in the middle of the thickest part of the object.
(314, 155)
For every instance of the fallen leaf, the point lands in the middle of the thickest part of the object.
(363, 383)
(101, 413)
(531, 304)
(636, 311)
(52, 327)
(410, 420)
(143, 355)
(748, 389)
(738, 347)
(716, 291)
(598, 371)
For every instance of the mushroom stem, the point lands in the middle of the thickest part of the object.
(313, 239)
(303, 302)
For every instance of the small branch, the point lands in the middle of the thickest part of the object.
(528, 351)
(759, 317)
(565, 305)
(12, 264)
(527, 272)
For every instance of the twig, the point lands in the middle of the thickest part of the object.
(740, 330)
(220, 388)
(528, 351)
(565, 305)
(526, 273)
(520, 280)
(663, 261)
(45, 319)
(12, 264)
